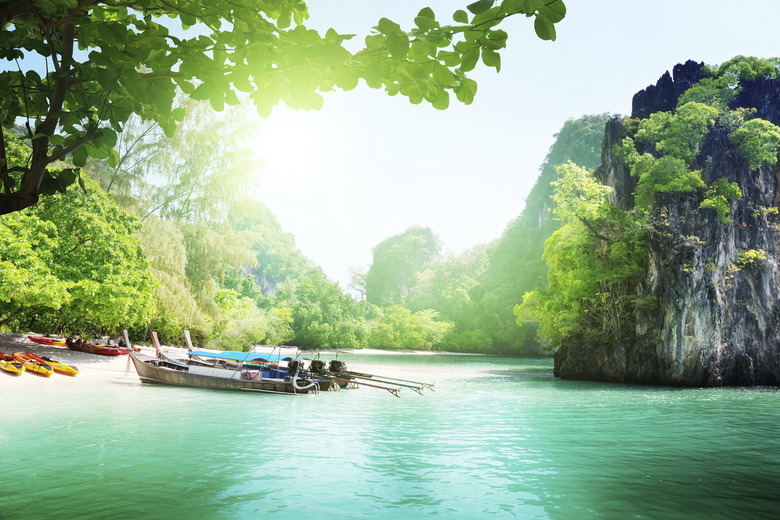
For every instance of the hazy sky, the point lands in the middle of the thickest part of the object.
(367, 166)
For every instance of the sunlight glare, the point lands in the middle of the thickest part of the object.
(293, 146)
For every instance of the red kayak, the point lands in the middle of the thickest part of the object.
(47, 341)
(104, 350)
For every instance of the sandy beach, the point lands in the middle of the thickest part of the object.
(93, 368)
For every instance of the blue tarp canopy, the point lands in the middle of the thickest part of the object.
(240, 356)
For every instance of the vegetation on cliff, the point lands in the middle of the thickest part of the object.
(598, 259)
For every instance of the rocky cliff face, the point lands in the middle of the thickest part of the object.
(717, 315)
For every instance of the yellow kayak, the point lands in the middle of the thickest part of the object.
(34, 365)
(10, 365)
(57, 366)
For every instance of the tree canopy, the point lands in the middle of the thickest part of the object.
(104, 61)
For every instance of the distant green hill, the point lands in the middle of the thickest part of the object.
(515, 265)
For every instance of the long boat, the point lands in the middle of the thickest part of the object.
(277, 370)
(171, 372)
(217, 372)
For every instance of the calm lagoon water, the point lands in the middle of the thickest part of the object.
(499, 438)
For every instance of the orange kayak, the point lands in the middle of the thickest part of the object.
(57, 366)
(34, 365)
(10, 365)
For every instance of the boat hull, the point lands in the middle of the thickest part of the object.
(159, 371)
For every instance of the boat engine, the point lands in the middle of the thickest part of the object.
(317, 366)
(337, 366)
(294, 366)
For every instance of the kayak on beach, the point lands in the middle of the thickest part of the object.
(10, 365)
(76, 343)
(47, 341)
(57, 366)
(36, 366)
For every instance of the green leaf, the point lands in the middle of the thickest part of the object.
(532, 6)
(113, 158)
(491, 58)
(441, 101)
(425, 23)
(514, 6)
(56, 139)
(386, 26)
(461, 16)
(480, 7)
(426, 12)
(450, 59)
(67, 177)
(554, 11)
(59, 182)
(178, 113)
(544, 28)
(284, 20)
(466, 91)
(419, 51)
(443, 76)
(398, 45)
(79, 156)
(470, 57)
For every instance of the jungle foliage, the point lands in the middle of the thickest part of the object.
(473, 294)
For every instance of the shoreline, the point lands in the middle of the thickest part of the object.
(92, 367)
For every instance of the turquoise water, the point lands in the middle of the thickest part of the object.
(499, 438)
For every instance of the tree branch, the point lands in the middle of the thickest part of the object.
(68, 149)
(70, 16)
(593, 230)
(7, 184)
(12, 317)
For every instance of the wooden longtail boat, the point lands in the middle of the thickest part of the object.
(170, 372)
(36, 366)
(104, 350)
(10, 365)
(47, 341)
(57, 366)
(250, 371)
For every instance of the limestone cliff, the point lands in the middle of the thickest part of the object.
(716, 318)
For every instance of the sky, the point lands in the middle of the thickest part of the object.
(368, 166)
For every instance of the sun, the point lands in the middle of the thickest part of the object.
(291, 145)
